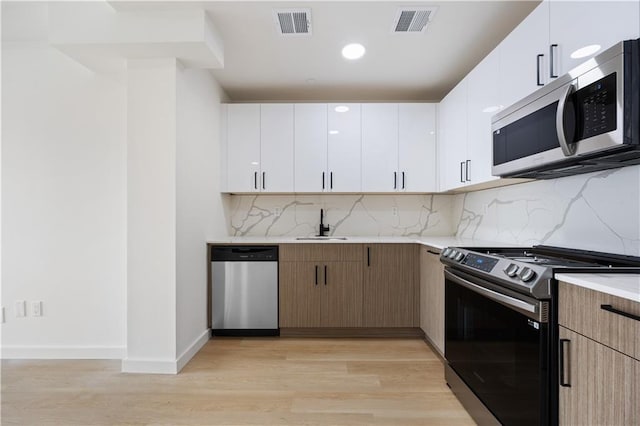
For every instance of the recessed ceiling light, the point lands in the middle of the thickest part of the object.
(353, 51)
(493, 108)
(254, 163)
(583, 52)
(333, 132)
(341, 108)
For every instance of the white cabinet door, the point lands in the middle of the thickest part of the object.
(577, 24)
(243, 147)
(344, 145)
(522, 71)
(276, 147)
(452, 140)
(417, 147)
(379, 148)
(310, 140)
(482, 103)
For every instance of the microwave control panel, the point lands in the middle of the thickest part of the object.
(597, 105)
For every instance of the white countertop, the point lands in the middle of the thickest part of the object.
(435, 242)
(626, 286)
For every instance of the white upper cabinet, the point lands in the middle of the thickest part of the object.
(483, 101)
(379, 147)
(580, 24)
(276, 148)
(452, 139)
(417, 148)
(344, 147)
(310, 140)
(243, 147)
(524, 62)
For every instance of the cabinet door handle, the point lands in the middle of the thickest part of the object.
(368, 256)
(325, 274)
(563, 378)
(316, 274)
(403, 180)
(395, 180)
(433, 252)
(552, 56)
(466, 170)
(255, 180)
(331, 180)
(538, 82)
(461, 171)
(322, 180)
(613, 310)
(264, 175)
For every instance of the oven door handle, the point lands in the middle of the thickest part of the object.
(493, 295)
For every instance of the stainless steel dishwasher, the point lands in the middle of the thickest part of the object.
(244, 290)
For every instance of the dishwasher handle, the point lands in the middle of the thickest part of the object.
(235, 253)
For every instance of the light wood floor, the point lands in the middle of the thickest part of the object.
(238, 381)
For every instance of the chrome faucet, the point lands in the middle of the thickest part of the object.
(323, 228)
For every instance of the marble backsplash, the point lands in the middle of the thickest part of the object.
(598, 211)
(348, 215)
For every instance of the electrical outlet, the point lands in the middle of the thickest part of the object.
(278, 211)
(36, 308)
(21, 308)
(394, 211)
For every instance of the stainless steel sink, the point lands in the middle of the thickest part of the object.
(320, 238)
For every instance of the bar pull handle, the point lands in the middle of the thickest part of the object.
(552, 72)
(331, 180)
(316, 274)
(403, 181)
(264, 175)
(563, 377)
(613, 310)
(466, 172)
(368, 256)
(325, 274)
(461, 171)
(255, 180)
(395, 180)
(433, 252)
(322, 180)
(538, 82)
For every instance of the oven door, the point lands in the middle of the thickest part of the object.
(497, 344)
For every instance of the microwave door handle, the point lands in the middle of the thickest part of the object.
(567, 149)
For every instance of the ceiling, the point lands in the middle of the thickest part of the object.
(261, 65)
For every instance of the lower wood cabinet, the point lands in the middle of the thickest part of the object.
(432, 296)
(320, 285)
(599, 374)
(390, 287)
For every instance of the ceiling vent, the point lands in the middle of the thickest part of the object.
(290, 22)
(412, 19)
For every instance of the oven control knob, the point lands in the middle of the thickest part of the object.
(511, 270)
(459, 256)
(527, 274)
(446, 252)
(453, 254)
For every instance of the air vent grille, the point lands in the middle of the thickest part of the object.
(293, 21)
(412, 20)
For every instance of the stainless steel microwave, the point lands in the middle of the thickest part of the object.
(586, 120)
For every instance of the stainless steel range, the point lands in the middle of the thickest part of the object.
(501, 327)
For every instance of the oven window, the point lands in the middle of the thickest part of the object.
(499, 353)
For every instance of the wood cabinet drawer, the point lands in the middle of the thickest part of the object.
(322, 252)
(580, 309)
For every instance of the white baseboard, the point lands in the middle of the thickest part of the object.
(159, 366)
(193, 349)
(62, 352)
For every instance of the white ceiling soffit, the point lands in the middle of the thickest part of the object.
(293, 22)
(412, 19)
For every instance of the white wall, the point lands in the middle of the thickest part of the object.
(63, 197)
(200, 214)
(598, 211)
